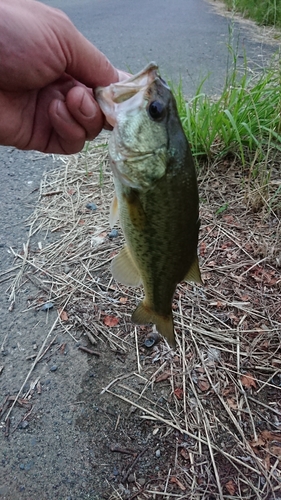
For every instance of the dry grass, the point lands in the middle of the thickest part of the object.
(218, 395)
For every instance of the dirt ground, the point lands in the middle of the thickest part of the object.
(96, 413)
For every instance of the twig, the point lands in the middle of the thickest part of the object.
(119, 449)
(121, 377)
(7, 427)
(89, 351)
(23, 418)
(137, 351)
(210, 446)
(129, 470)
(52, 193)
(46, 350)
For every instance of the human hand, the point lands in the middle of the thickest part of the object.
(48, 70)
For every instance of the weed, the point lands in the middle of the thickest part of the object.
(91, 148)
(243, 123)
(267, 12)
(245, 117)
(222, 209)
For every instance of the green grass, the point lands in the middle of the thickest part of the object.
(246, 116)
(265, 12)
(244, 122)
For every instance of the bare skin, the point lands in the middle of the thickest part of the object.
(48, 71)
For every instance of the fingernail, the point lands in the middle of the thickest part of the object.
(87, 106)
(62, 111)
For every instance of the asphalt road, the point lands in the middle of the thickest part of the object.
(188, 40)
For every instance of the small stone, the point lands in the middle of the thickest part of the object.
(24, 424)
(47, 306)
(157, 453)
(142, 481)
(29, 465)
(131, 478)
(91, 206)
(152, 339)
(22, 466)
(53, 368)
(276, 380)
(113, 233)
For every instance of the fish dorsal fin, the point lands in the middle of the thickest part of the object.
(193, 273)
(124, 269)
(113, 216)
(164, 324)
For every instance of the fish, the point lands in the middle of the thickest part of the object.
(156, 194)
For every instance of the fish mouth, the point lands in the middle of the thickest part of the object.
(116, 93)
(122, 91)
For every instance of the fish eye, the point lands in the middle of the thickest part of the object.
(156, 110)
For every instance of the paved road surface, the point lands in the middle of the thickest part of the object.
(185, 37)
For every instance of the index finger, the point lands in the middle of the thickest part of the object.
(84, 61)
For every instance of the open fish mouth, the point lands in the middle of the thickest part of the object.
(135, 86)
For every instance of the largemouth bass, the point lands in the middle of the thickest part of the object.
(156, 194)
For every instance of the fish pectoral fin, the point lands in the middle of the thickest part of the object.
(164, 324)
(113, 216)
(124, 269)
(193, 273)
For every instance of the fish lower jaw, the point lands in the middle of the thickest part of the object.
(125, 154)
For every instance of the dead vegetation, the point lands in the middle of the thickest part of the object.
(217, 397)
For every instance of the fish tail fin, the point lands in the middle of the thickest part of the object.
(164, 324)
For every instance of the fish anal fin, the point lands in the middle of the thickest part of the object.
(113, 216)
(164, 324)
(124, 269)
(193, 273)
